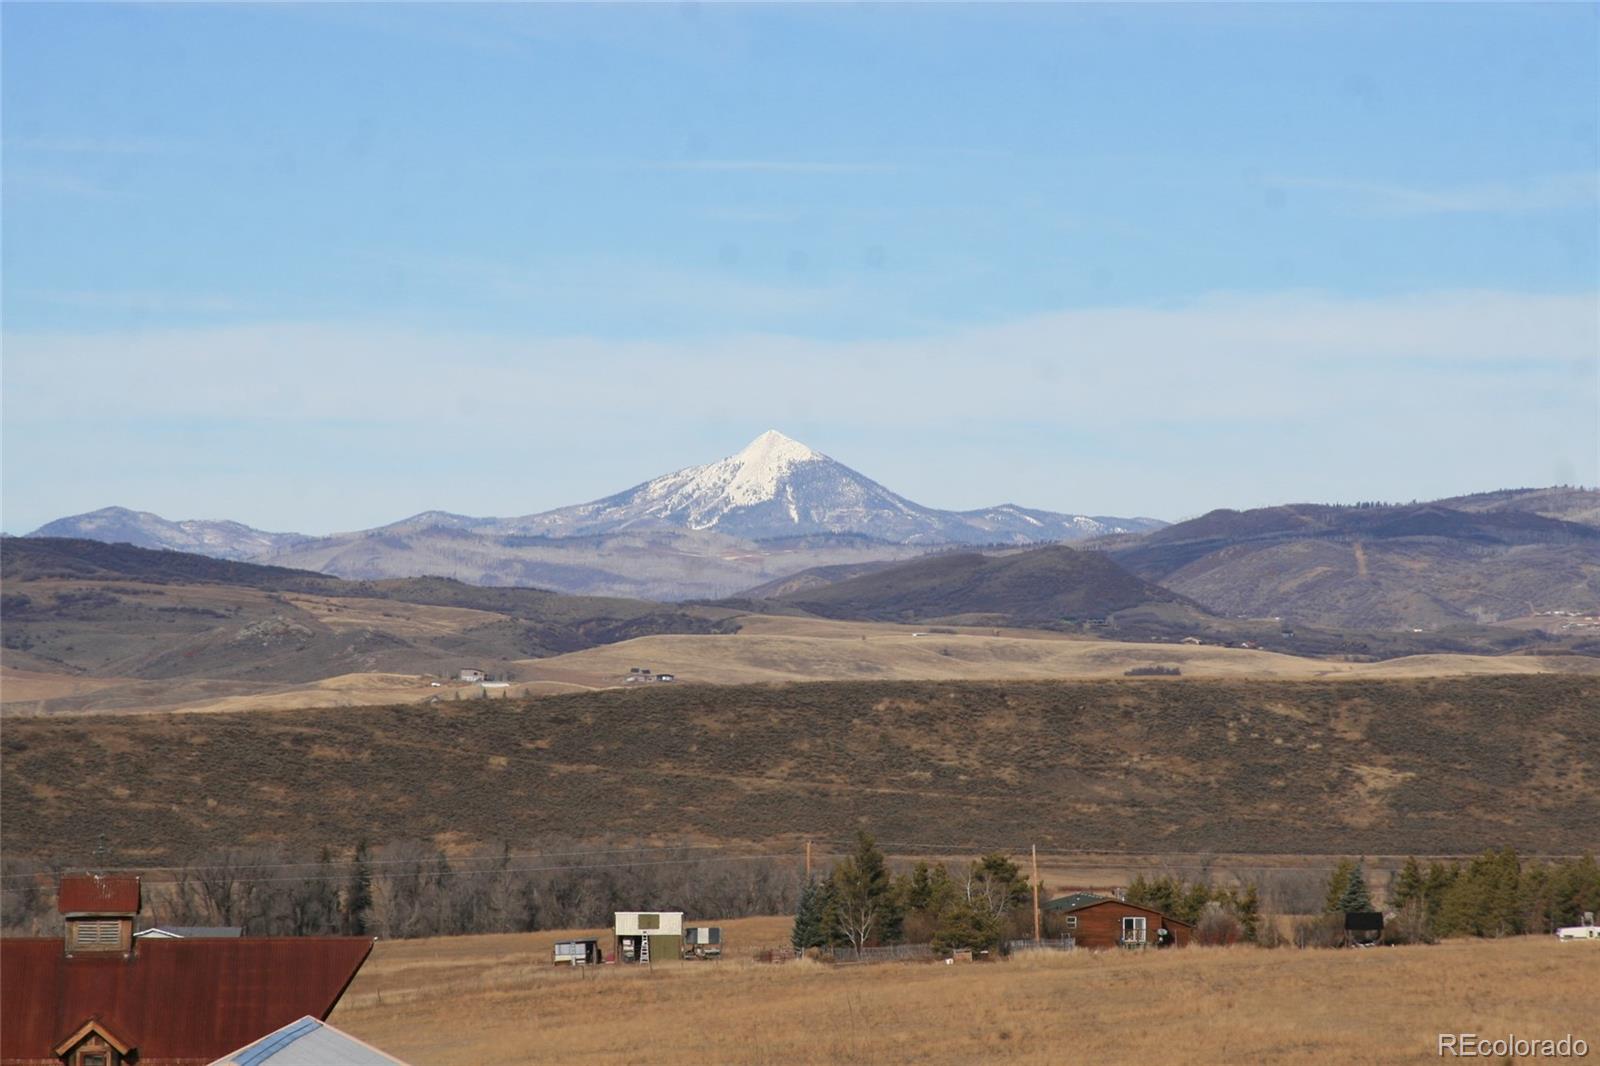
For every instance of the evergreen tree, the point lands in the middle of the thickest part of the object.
(1355, 896)
(862, 906)
(1409, 885)
(965, 925)
(1536, 904)
(358, 894)
(1575, 888)
(810, 928)
(1482, 898)
(1338, 881)
(927, 889)
(1439, 878)
(1247, 908)
(996, 886)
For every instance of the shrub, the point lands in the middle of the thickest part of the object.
(1409, 926)
(1319, 931)
(1217, 926)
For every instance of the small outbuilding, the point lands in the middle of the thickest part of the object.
(470, 675)
(702, 942)
(1100, 922)
(584, 952)
(653, 937)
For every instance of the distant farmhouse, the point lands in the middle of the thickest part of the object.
(1100, 922)
(99, 996)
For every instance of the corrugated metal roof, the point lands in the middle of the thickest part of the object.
(176, 1001)
(93, 894)
(308, 1042)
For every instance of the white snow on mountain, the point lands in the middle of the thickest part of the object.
(218, 539)
(774, 488)
(756, 475)
(778, 487)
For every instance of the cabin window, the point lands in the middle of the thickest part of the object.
(1133, 930)
(92, 1058)
(1072, 921)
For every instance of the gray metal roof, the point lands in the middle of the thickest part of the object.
(189, 931)
(1074, 901)
(308, 1042)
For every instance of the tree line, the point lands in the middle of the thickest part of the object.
(1496, 894)
(411, 889)
(861, 903)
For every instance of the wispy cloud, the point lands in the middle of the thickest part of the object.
(1228, 400)
(628, 285)
(1551, 192)
(1228, 357)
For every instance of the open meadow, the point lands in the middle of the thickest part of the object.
(362, 652)
(468, 1000)
(776, 648)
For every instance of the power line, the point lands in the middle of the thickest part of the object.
(421, 861)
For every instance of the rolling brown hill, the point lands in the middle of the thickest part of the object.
(1347, 767)
(1042, 586)
(84, 609)
(1380, 567)
(1085, 591)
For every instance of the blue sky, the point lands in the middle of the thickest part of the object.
(321, 267)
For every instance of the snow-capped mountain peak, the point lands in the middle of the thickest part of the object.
(778, 487)
(773, 489)
(756, 475)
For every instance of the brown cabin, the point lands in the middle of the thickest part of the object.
(1099, 922)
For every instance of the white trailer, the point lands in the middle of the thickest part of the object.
(1587, 931)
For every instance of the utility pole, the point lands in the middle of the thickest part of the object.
(1035, 850)
(808, 860)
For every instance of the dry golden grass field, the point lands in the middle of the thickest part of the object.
(776, 649)
(766, 649)
(496, 999)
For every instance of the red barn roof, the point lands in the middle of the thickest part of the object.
(178, 1002)
(90, 894)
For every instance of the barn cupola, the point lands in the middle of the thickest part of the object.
(99, 912)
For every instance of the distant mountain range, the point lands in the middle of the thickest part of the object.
(218, 539)
(1480, 559)
(1519, 555)
(772, 509)
(782, 523)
